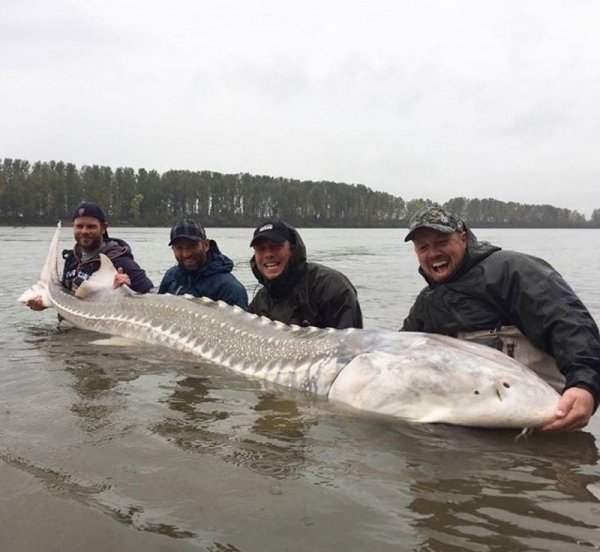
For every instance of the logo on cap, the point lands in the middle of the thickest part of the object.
(89, 209)
(276, 231)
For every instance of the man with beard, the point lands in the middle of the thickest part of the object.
(514, 302)
(91, 238)
(294, 290)
(202, 270)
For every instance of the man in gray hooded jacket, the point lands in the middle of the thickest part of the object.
(515, 302)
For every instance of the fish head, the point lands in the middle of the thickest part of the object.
(446, 386)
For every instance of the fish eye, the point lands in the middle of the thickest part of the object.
(476, 392)
(507, 385)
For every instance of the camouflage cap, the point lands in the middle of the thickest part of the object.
(433, 216)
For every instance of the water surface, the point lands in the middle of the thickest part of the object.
(141, 448)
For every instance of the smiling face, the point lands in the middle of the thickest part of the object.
(439, 254)
(272, 257)
(190, 254)
(88, 232)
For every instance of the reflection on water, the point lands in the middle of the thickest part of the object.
(160, 451)
(278, 444)
(480, 490)
(273, 443)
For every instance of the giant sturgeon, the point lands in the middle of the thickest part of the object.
(412, 376)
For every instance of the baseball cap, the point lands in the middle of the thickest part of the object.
(276, 231)
(89, 209)
(435, 217)
(187, 228)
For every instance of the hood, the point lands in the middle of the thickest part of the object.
(281, 285)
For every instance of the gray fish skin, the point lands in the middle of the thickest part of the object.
(412, 376)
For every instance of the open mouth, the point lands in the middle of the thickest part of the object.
(439, 267)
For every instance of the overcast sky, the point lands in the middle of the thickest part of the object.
(423, 98)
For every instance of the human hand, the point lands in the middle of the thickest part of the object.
(36, 304)
(574, 410)
(121, 279)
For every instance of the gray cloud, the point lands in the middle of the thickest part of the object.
(418, 98)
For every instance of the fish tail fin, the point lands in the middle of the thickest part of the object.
(49, 273)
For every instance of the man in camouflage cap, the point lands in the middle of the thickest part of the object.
(430, 227)
(514, 302)
(434, 217)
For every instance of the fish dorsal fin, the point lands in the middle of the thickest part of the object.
(101, 280)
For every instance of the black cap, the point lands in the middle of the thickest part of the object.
(89, 209)
(436, 218)
(276, 231)
(187, 228)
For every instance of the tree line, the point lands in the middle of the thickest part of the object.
(41, 193)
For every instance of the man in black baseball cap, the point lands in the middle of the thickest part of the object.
(294, 290)
(91, 238)
(201, 270)
(93, 210)
(276, 231)
(89, 209)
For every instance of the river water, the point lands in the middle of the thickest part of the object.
(140, 448)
